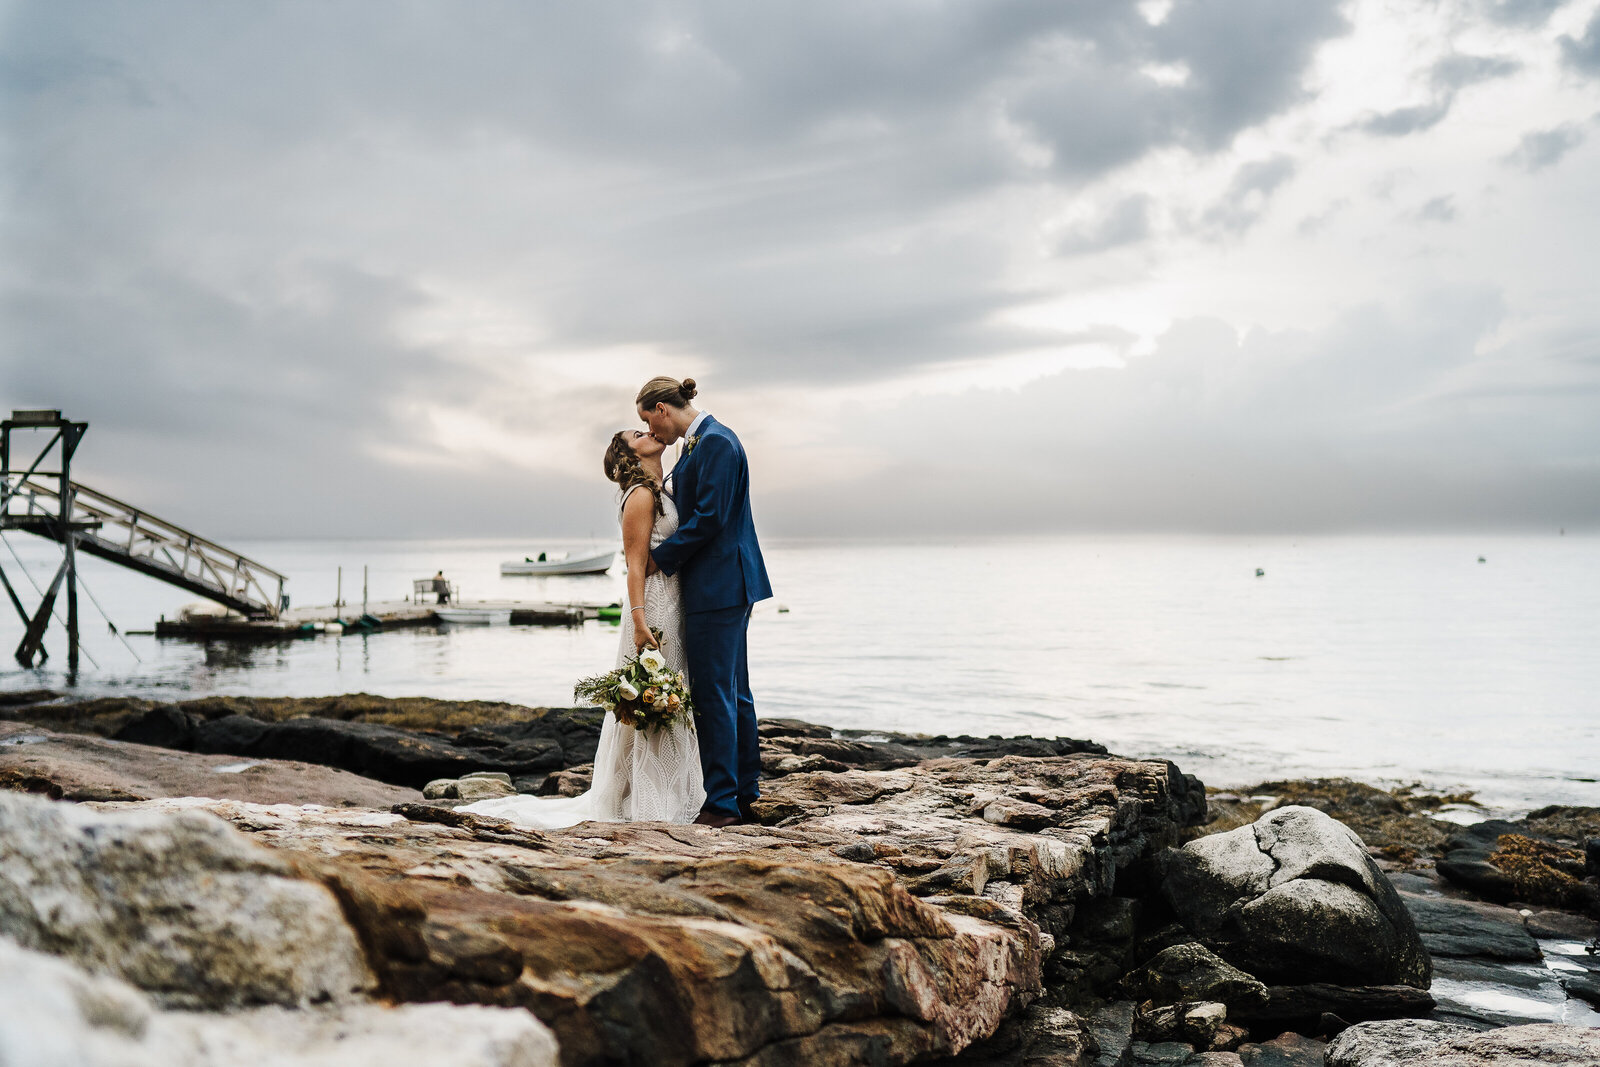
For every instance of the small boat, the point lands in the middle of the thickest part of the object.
(565, 563)
(474, 616)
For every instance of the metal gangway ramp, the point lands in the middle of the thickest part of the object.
(48, 503)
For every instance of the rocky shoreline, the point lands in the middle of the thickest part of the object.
(288, 880)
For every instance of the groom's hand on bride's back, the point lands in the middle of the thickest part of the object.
(650, 566)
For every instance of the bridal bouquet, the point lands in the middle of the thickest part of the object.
(641, 693)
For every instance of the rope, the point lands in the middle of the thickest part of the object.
(55, 612)
(96, 602)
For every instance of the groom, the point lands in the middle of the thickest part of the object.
(723, 575)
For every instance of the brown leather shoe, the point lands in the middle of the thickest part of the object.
(713, 818)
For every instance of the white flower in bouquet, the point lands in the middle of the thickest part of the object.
(660, 702)
(626, 689)
(652, 660)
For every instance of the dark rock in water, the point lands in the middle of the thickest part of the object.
(1306, 1004)
(1470, 868)
(1295, 897)
(1285, 1050)
(1585, 987)
(766, 728)
(166, 725)
(1193, 972)
(234, 735)
(1418, 1043)
(1591, 857)
(1562, 926)
(20, 697)
(994, 746)
(1465, 928)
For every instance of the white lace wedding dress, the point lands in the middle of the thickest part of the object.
(639, 775)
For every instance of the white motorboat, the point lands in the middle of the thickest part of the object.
(565, 563)
(473, 616)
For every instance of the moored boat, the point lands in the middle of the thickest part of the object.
(596, 563)
(473, 616)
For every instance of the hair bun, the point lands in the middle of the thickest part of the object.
(689, 389)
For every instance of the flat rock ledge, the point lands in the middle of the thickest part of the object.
(878, 916)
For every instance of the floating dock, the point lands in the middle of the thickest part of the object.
(379, 616)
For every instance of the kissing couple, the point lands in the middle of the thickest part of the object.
(694, 572)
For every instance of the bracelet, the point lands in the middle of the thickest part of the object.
(638, 607)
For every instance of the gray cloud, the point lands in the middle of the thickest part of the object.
(1439, 209)
(1245, 60)
(1520, 12)
(1386, 417)
(1247, 195)
(1545, 148)
(1403, 121)
(1127, 222)
(1455, 72)
(1583, 53)
(255, 244)
(1447, 77)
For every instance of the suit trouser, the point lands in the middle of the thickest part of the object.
(725, 710)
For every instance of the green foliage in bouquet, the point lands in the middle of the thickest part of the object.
(641, 693)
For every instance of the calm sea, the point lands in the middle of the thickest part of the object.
(1390, 659)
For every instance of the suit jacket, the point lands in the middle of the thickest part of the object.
(715, 548)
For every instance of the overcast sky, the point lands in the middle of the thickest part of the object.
(355, 268)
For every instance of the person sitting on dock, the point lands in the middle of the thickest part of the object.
(441, 587)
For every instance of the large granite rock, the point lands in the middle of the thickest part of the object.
(1294, 899)
(1417, 1043)
(179, 905)
(55, 1014)
(891, 915)
(1468, 928)
(81, 767)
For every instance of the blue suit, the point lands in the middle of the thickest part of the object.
(722, 575)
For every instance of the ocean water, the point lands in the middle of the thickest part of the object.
(1389, 659)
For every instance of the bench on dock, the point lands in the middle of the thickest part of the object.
(426, 587)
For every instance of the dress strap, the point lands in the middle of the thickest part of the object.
(631, 490)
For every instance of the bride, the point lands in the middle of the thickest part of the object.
(639, 775)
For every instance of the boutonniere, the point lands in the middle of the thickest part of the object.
(689, 443)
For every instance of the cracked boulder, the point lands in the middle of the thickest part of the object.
(1294, 898)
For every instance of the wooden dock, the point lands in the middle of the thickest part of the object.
(379, 616)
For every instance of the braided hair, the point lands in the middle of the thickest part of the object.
(623, 467)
